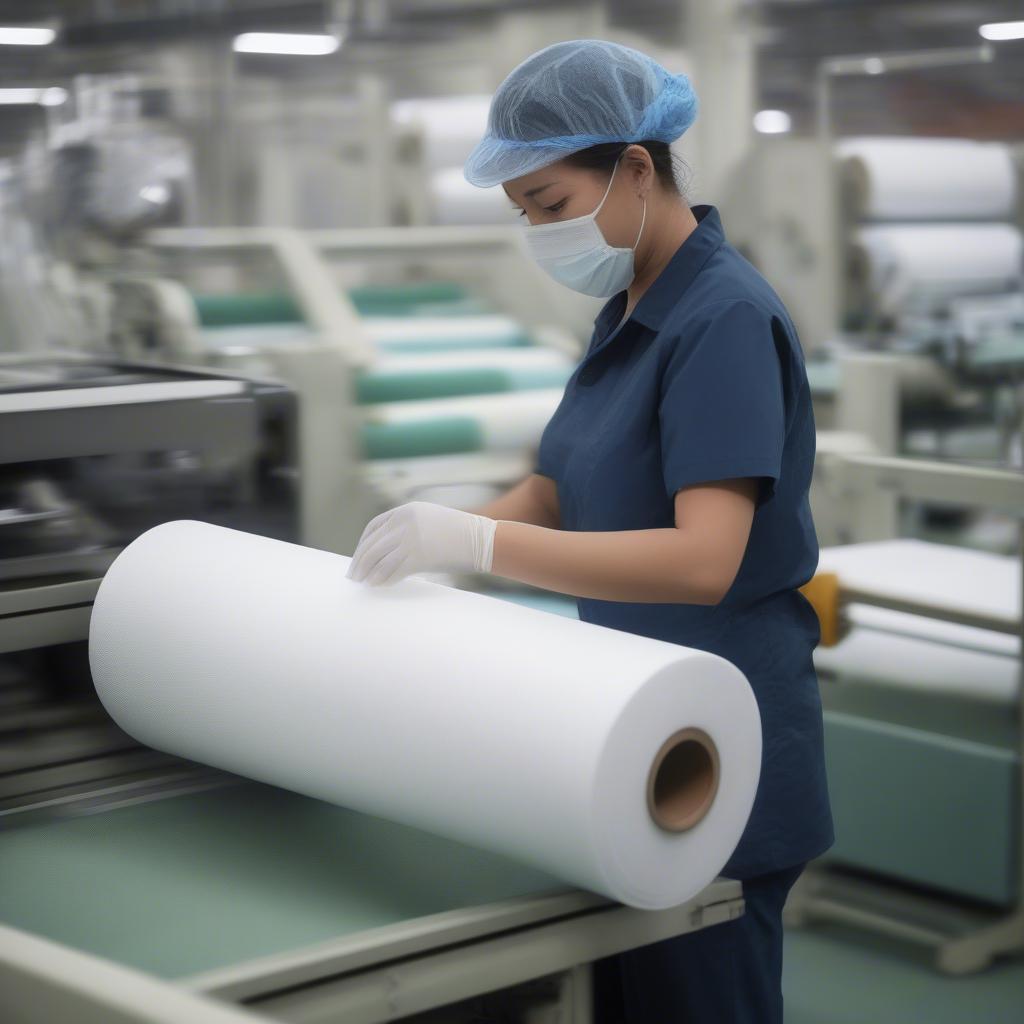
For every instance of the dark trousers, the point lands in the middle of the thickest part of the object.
(727, 974)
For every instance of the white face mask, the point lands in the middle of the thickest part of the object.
(575, 253)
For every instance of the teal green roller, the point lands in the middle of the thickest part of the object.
(191, 883)
(426, 300)
(924, 788)
(247, 308)
(466, 423)
(442, 436)
(385, 299)
(457, 307)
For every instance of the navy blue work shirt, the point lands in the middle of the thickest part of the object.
(705, 381)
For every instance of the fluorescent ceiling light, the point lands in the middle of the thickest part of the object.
(22, 35)
(291, 43)
(1002, 30)
(157, 194)
(771, 122)
(51, 97)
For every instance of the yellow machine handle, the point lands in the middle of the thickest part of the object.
(822, 590)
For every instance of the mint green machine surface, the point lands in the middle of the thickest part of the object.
(412, 300)
(194, 882)
(221, 310)
(424, 299)
(924, 788)
(387, 299)
(447, 435)
(376, 385)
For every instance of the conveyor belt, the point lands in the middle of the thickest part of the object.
(190, 883)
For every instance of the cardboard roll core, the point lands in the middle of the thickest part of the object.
(683, 780)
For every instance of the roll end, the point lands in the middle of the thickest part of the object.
(683, 780)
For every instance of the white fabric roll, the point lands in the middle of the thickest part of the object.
(491, 723)
(507, 420)
(899, 648)
(928, 179)
(904, 260)
(534, 357)
(428, 330)
(913, 652)
(951, 579)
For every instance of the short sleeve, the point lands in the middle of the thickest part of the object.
(722, 408)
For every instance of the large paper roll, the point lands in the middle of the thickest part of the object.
(622, 764)
(928, 179)
(903, 262)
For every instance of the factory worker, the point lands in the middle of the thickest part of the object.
(670, 493)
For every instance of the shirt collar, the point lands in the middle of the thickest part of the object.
(675, 278)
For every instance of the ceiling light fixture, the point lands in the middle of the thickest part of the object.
(287, 43)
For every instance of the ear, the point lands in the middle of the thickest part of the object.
(640, 168)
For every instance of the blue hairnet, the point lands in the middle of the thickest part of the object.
(576, 94)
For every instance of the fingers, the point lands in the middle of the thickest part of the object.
(389, 569)
(370, 536)
(368, 555)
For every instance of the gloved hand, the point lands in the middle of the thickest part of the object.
(422, 536)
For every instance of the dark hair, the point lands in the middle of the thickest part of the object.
(602, 157)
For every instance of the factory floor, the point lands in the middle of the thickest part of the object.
(834, 975)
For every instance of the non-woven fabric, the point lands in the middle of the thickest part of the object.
(484, 721)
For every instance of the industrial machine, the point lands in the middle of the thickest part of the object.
(421, 370)
(93, 453)
(920, 671)
(906, 287)
(139, 885)
(184, 907)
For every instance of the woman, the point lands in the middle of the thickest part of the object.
(671, 488)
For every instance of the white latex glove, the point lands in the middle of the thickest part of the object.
(421, 536)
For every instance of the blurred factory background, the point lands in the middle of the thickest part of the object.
(243, 280)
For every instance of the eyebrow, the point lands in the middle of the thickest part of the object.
(534, 192)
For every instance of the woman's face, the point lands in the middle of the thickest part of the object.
(561, 192)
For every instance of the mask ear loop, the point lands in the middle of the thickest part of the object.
(643, 218)
(643, 221)
(608, 189)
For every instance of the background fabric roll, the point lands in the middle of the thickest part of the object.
(897, 262)
(905, 179)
